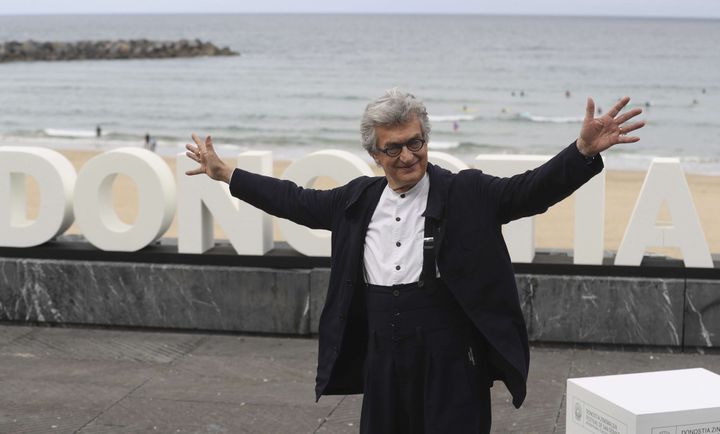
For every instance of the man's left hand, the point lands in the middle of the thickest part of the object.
(599, 134)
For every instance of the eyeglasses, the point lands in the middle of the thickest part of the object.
(395, 149)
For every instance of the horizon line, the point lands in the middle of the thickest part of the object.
(421, 13)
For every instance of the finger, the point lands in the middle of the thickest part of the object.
(192, 156)
(629, 115)
(197, 140)
(200, 143)
(192, 148)
(633, 127)
(590, 109)
(628, 139)
(619, 106)
(197, 171)
(208, 144)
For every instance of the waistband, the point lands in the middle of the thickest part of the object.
(401, 311)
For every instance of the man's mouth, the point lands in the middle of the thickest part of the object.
(410, 166)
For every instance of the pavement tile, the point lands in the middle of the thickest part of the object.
(87, 344)
(345, 418)
(9, 334)
(111, 381)
(35, 406)
(179, 385)
(99, 372)
(144, 415)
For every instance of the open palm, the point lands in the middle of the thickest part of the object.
(599, 134)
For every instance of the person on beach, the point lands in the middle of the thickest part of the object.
(422, 313)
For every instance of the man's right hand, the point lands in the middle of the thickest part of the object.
(210, 164)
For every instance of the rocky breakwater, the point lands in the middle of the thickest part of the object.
(15, 51)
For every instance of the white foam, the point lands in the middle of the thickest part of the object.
(56, 132)
(451, 118)
(443, 145)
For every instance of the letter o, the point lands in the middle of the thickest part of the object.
(94, 213)
(343, 167)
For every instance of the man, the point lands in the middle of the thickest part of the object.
(422, 312)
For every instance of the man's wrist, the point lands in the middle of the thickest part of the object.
(582, 148)
(227, 176)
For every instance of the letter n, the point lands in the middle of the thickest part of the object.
(200, 198)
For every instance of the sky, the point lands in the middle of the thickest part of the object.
(620, 8)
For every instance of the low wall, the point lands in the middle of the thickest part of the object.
(561, 302)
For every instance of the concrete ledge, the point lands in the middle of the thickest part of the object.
(154, 295)
(702, 313)
(662, 311)
(607, 310)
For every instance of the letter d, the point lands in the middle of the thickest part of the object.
(55, 176)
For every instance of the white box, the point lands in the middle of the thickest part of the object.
(686, 401)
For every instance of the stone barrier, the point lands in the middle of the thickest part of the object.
(18, 51)
(587, 309)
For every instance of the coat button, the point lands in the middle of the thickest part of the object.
(396, 293)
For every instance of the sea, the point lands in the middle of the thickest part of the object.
(492, 84)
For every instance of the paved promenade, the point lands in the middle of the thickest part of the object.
(65, 380)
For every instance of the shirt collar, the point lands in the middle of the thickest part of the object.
(421, 187)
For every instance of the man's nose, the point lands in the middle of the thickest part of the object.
(406, 154)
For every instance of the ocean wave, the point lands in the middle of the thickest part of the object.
(452, 118)
(56, 132)
(526, 116)
(435, 144)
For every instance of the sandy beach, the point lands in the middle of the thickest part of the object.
(554, 229)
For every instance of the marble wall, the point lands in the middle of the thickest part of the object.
(155, 295)
(557, 308)
(608, 310)
(702, 320)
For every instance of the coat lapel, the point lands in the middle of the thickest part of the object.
(435, 210)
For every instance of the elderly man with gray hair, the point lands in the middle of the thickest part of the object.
(422, 313)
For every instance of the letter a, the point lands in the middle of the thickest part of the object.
(665, 181)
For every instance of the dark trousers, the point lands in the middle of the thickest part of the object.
(426, 372)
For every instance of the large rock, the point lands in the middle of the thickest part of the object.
(13, 51)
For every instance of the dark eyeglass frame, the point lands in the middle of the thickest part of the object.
(415, 144)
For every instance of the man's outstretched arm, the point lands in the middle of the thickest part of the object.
(304, 206)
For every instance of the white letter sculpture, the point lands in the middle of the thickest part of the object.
(519, 234)
(665, 181)
(590, 221)
(94, 211)
(447, 161)
(343, 167)
(248, 229)
(55, 178)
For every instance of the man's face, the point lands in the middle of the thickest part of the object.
(408, 168)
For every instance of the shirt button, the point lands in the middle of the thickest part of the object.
(396, 293)
(397, 267)
(397, 219)
(398, 244)
(402, 195)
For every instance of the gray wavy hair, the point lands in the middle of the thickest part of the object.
(394, 108)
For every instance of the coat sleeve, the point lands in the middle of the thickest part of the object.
(534, 191)
(305, 206)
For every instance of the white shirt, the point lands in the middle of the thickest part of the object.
(394, 241)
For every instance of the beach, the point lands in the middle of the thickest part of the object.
(554, 229)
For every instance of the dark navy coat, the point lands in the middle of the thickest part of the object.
(467, 210)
